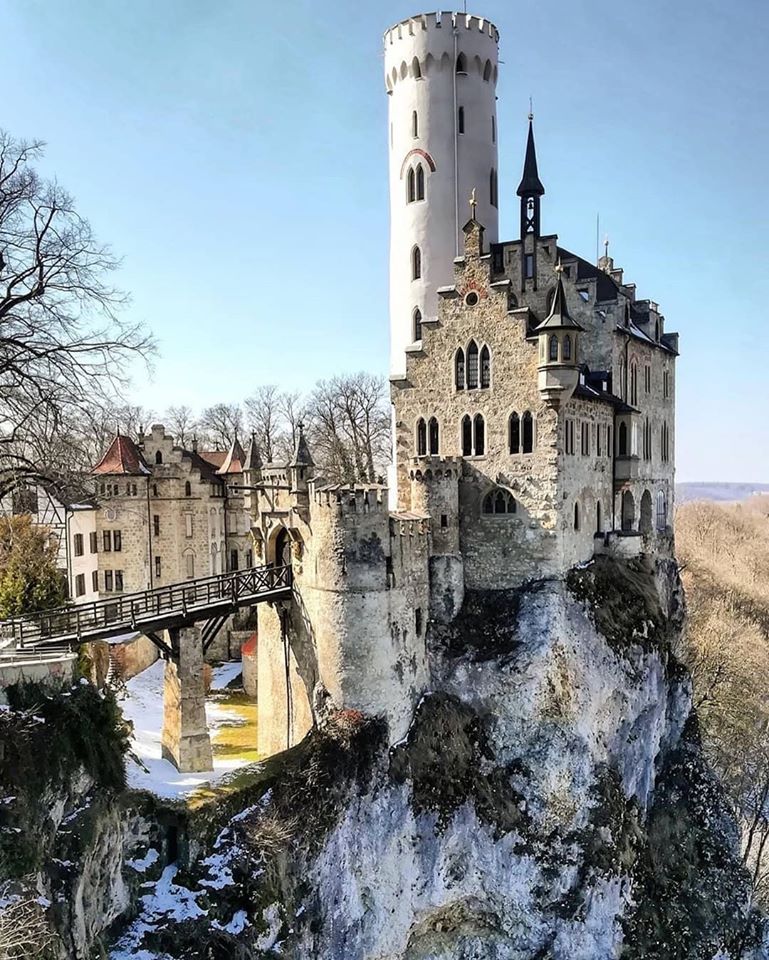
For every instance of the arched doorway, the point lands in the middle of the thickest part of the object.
(628, 511)
(646, 513)
(282, 548)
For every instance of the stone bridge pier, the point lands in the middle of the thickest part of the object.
(185, 739)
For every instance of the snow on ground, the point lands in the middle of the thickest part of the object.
(142, 704)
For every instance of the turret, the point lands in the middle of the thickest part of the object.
(558, 349)
(300, 467)
(440, 76)
(530, 190)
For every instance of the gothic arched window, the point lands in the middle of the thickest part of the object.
(515, 433)
(459, 369)
(461, 63)
(499, 503)
(467, 436)
(479, 435)
(416, 263)
(472, 365)
(420, 183)
(487, 71)
(158, 456)
(433, 437)
(528, 432)
(416, 70)
(567, 347)
(485, 368)
(421, 438)
(417, 318)
(411, 188)
(553, 348)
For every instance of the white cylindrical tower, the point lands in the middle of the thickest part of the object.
(441, 76)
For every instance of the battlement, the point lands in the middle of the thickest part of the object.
(426, 469)
(443, 20)
(349, 499)
(408, 524)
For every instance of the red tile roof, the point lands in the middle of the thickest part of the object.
(214, 457)
(122, 457)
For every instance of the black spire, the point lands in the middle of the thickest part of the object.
(530, 190)
(530, 185)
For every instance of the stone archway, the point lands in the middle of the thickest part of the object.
(282, 548)
(628, 512)
(646, 513)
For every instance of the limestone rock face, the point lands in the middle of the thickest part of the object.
(550, 800)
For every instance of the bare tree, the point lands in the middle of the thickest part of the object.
(350, 427)
(182, 424)
(221, 423)
(62, 344)
(264, 409)
(24, 929)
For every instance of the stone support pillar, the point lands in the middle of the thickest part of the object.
(185, 739)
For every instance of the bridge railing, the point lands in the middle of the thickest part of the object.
(134, 610)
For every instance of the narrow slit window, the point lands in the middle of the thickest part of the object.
(433, 437)
(515, 433)
(416, 263)
(421, 438)
(479, 435)
(459, 369)
(461, 120)
(417, 324)
(414, 124)
(485, 368)
(420, 182)
(528, 432)
(467, 436)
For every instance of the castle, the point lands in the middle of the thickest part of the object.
(534, 413)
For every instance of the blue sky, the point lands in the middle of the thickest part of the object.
(235, 155)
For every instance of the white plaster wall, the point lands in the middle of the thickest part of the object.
(462, 161)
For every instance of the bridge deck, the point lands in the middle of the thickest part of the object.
(179, 604)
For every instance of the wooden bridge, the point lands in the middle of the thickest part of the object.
(210, 599)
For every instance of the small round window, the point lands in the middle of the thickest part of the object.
(471, 299)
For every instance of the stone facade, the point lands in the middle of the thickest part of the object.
(533, 429)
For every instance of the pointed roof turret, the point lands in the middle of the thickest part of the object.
(122, 457)
(559, 316)
(253, 459)
(233, 462)
(302, 456)
(530, 185)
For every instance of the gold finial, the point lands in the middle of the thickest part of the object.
(473, 204)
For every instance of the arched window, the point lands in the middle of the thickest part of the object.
(553, 347)
(420, 183)
(416, 263)
(493, 187)
(414, 124)
(479, 436)
(417, 318)
(188, 489)
(416, 70)
(433, 437)
(662, 512)
(459, 369)
(472, 365)
(485, 368)
(514, 431)
(411, 186)
(158, 456)
(499, 503)
(528, 432)
(567, 347)
(487, 71)
(623, 440)
(598, 519)
(467, 436)
(421, 437)
(461, 63)
(634, 384)
(461, 120)
(576, 516)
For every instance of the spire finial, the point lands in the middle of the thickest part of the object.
(531, 109)
(606, 246)
(473, 204)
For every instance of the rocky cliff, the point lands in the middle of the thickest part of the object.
(549, 801)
